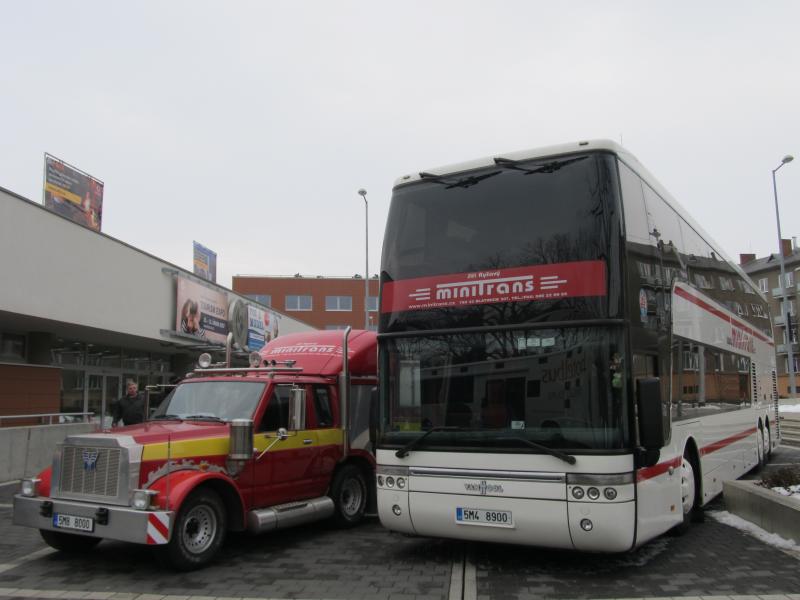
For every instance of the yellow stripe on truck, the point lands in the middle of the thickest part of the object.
(219, 446)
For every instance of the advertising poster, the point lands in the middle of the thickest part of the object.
(262, 327)
(72, 193)
(205, 262)
(201, 311)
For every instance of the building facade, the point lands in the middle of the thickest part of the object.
(81, 312)
(322, 302)
(765, 273)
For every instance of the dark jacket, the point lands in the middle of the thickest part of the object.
(129, 410)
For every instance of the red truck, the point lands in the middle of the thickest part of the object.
(283, 442)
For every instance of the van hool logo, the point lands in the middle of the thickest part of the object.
(90, 459)
(483, 488)
(741, 341)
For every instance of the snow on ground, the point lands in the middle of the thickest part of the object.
(789, 408)
(792, 490)
(773, 539)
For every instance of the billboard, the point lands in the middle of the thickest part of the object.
(72, 193)
(262, 327)
(205, 262)
(201, 311)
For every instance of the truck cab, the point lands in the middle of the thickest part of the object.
(282, 442)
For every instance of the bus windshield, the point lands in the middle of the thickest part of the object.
(503, 223)
(563, 388)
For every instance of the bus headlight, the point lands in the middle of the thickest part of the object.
(593, 493)
(401, 483)
(390, 481)
(380, 480)
(577, 493)
(610, 493)
(30, 487)
(587, 525)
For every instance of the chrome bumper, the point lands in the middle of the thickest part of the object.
(110, 522)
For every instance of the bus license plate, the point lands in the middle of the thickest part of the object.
(482, 516)
(72, 522)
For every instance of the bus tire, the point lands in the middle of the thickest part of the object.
(69, 542)
(690, 492)
(349, 495)
(198, 532)
(761, 446)
(768, 443)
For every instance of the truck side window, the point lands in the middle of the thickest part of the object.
(322, 405)
(277, 413)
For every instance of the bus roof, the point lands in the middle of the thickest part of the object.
(585, 146)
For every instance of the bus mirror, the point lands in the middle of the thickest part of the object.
(651, 417)
(297, 409)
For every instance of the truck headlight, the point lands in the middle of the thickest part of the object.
(142, 499)
(30, 487)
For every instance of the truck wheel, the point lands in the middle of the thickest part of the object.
(198, 532)
(68, 542)
(349, 495)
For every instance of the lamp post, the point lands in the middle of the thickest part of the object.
(363, 193)
(787, 322)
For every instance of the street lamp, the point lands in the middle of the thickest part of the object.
(363, 193)
(786, 159)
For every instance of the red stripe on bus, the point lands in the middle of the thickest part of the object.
(656, 470)
(661, 468)
(726, 442)
(718, 313)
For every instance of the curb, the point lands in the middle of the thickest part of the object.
(767, 509)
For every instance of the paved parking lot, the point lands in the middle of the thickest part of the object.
(368, 562)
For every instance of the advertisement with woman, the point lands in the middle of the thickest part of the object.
(201, 311)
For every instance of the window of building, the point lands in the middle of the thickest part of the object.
(372, 303)
(726, 283)
(763, 284)
(298, 302)
(338, 303)
(790, 279)
(265, 299)
(12, 347)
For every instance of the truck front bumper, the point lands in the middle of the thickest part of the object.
(107, 521)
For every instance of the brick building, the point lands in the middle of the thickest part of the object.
(765, 272)
(322, 302)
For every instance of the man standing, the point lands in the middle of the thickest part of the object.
(130, 408)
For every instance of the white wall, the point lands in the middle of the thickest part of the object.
(25, 451)
(55, 269)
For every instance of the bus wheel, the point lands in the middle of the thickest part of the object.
(198, 532)
(349, 495)
(761, 447)
(69, 542)
(767, 444)
(689, 501)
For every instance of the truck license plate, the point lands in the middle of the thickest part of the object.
(482, 516)
(72, 522)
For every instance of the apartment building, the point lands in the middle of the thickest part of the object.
(765, 272)
(322, 302)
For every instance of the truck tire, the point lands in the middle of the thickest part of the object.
(69, 542)
(349, 495)
(198, 532)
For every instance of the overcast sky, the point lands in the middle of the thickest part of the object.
(250, 126)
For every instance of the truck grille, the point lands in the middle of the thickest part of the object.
(90, 471)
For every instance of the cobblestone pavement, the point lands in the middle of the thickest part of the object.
(368, 562)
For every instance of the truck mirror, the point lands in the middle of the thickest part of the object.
(297, 409)
(651, 418)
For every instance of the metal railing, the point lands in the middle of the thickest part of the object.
(47, 418)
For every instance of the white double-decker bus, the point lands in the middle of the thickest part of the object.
(566, 358)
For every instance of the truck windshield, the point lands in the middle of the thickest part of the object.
(564, 388)
(222, 400)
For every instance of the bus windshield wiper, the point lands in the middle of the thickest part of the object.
(464, 182)
(567, 458)
(550, 167)
(418, 440)
(166, 417)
